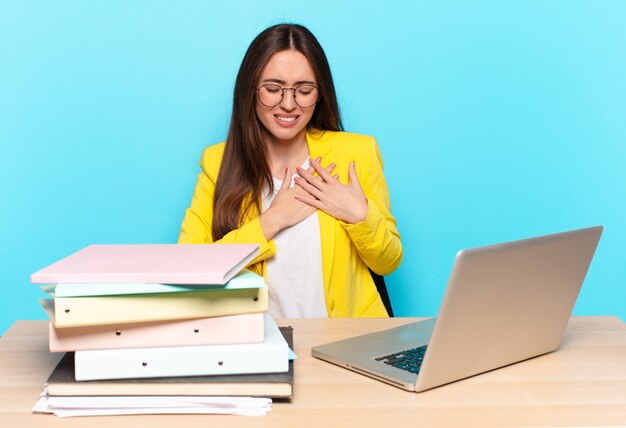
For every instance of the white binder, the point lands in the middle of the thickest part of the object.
(270, 356)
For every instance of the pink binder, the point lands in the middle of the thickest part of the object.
(150, 263)
(243, 328)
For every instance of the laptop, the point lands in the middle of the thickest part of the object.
(504, 303)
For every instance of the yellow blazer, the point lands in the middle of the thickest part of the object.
(348, 250)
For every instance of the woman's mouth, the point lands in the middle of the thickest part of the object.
(285, 121)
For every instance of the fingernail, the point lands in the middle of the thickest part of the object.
(319, 159)
(332, 165)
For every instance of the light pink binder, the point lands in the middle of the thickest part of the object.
(244, 328)
(150, 263)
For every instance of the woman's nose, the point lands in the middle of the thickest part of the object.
(289, 99)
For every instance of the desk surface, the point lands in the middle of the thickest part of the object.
(582, 384)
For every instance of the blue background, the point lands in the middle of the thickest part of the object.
(496, 120)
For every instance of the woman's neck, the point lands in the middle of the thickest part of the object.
(286, 154)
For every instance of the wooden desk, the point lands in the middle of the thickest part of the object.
(582, 384)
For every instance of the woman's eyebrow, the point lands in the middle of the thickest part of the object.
(282, 82)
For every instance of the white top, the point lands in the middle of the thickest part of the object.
(294, 274)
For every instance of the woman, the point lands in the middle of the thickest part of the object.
(314, 198)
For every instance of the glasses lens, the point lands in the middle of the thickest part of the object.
(306, 95)
(270, 95)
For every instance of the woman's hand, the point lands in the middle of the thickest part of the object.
(326, 193)
(286, 210)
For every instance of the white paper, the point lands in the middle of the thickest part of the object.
(143, 405)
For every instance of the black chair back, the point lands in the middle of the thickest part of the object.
(382, 290)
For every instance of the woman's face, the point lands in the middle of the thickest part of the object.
(286, 122)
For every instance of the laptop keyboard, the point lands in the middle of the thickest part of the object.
(409, 360)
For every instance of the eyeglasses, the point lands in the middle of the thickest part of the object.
(271, 95)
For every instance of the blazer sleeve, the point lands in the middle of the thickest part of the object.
(196, 226)
(376, 238)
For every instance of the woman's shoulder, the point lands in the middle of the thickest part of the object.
(345, 141)
(214, 149)
(212, 157)
(363, 149)
(342, 137)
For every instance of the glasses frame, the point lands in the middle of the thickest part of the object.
(282, 94)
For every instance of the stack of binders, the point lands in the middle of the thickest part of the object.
(165, 320)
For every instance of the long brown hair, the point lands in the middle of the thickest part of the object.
(245, 170)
